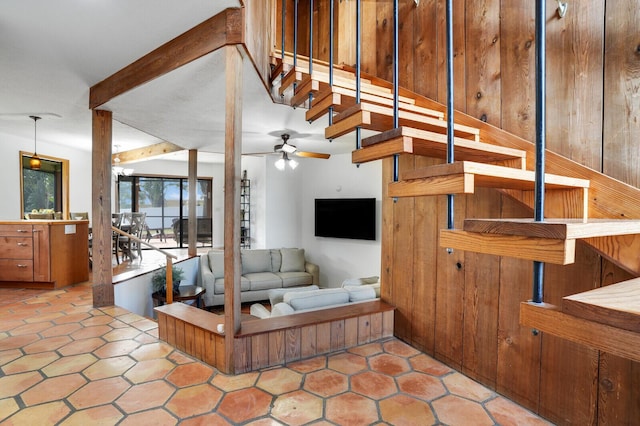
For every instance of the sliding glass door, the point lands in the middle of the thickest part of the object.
(165, 201)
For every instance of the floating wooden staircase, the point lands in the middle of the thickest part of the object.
(582, 204)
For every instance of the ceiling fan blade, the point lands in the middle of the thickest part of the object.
(312, 154)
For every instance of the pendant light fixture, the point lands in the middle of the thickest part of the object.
(35, 162)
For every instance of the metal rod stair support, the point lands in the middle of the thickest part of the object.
(450, 109)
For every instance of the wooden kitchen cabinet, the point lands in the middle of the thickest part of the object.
(44, 253)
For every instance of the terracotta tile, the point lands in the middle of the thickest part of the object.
(190, 374)
(463, 386)
(374, 385)
(213, 419)
(44, 414)
(97, 320)
(426, 364)
(389, 364)
(351, 409)
(48, 344)
(245, 404)
(31, 328)
(99, 392)
(8, 406)
(60, 330)
(121, 334)
(279, 381)
(123, 347)
(347, 363)
(454, 410)
(145, 396)
(367, 350)
(103, 415)
(30, 362)
(146, 338)
(144, 324)
(68, 365)
(16, 383)
(151, 351)
(176, 356)
(403, 410)
(297, 408)
(400, 348)
(113, 311)
(15, 342)
(308, 365)
(45, 317)
(8, 356)
(231, 383)
(77, 317)
(326, 383)
(149, 370)
(194, 400)
(129, 317)
(422, 386)
(108, 367)
(507, 413)
(153, 332)
(157, 417)
(53, 389)
(81, 346)
(117, 324)
(92, 331)
(9, 323)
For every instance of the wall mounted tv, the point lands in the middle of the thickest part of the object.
(353, 218)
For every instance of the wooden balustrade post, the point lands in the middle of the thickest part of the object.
(169, 282)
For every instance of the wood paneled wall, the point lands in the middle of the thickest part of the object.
(463, 307)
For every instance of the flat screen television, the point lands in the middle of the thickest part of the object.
(353, 218)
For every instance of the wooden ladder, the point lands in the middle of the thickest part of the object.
(582, 204)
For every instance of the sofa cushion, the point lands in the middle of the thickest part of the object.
(218, 285)
(277, 294)
(281, 309)
(276, 260)
(263, 280)
(316, 298)
(292, 260)
(257, 310)
(216, 263)
(255, 261)
(360, 281)
(360, 293)
(295, 279)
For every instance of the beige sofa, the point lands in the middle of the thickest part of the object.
(262, 270)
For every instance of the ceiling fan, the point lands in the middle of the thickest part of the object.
(286, 149)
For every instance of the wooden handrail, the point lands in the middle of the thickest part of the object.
(168, 256)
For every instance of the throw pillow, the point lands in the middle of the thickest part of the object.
(360, 281)
(255, 261)
(292, 260)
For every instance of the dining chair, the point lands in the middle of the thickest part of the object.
(132, 223)
(116, 221)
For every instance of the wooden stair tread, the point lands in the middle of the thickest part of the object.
(617, 305)
(550, 319)
(380, 118)
(422, 142)
(566, 229)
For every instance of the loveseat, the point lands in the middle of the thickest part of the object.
(262, 270)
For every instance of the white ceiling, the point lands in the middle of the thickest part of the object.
(52, 52)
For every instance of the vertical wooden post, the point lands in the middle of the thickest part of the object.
(232, 156)
(169, 281)
(101, 208)
(192, 227)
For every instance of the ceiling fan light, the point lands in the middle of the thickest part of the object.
(280, 164)
(289, 149)
(293, 164)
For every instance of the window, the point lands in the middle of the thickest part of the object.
(44, 189)
(165, 201)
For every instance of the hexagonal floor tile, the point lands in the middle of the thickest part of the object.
(149, 370)
(297, 408)
(374, 385)
(279, 381)
(15, 342)
(81, 346)
(60, 330)
(507, 413)
(194, 400)
(145, 396)
(8, 356)
(367, 350)
(77, 317)
(214, 419)
(347, 363)
(426, 364)
(89, 332)
(97, 320)
(105, 414)
(44, 345)
(30, 362)
(308, 365)
(463, 386)
(422, 386)
(190, 374)
(326, 383)
(156, 417)
(400, 348)
(121, 334)
(53, 389)
(69, 364)
(351, 409)
(245, 404)
(8, 406)
(404, 410)
(99, 392)
(389, 364)
(151, 351)
(29, 328)
(232, 383)
(119, 348)
(16, 383)
(454, 410)
(50, 413)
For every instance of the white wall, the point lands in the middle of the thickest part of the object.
(79, 174)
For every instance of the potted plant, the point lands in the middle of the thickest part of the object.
(159, 279)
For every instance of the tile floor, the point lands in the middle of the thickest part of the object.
(63, 362)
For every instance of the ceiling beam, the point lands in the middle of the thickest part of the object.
(145, 152)
(227, 27)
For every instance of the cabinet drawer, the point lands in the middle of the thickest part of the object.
(16, 247)
(16, 230)
(16, 270)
